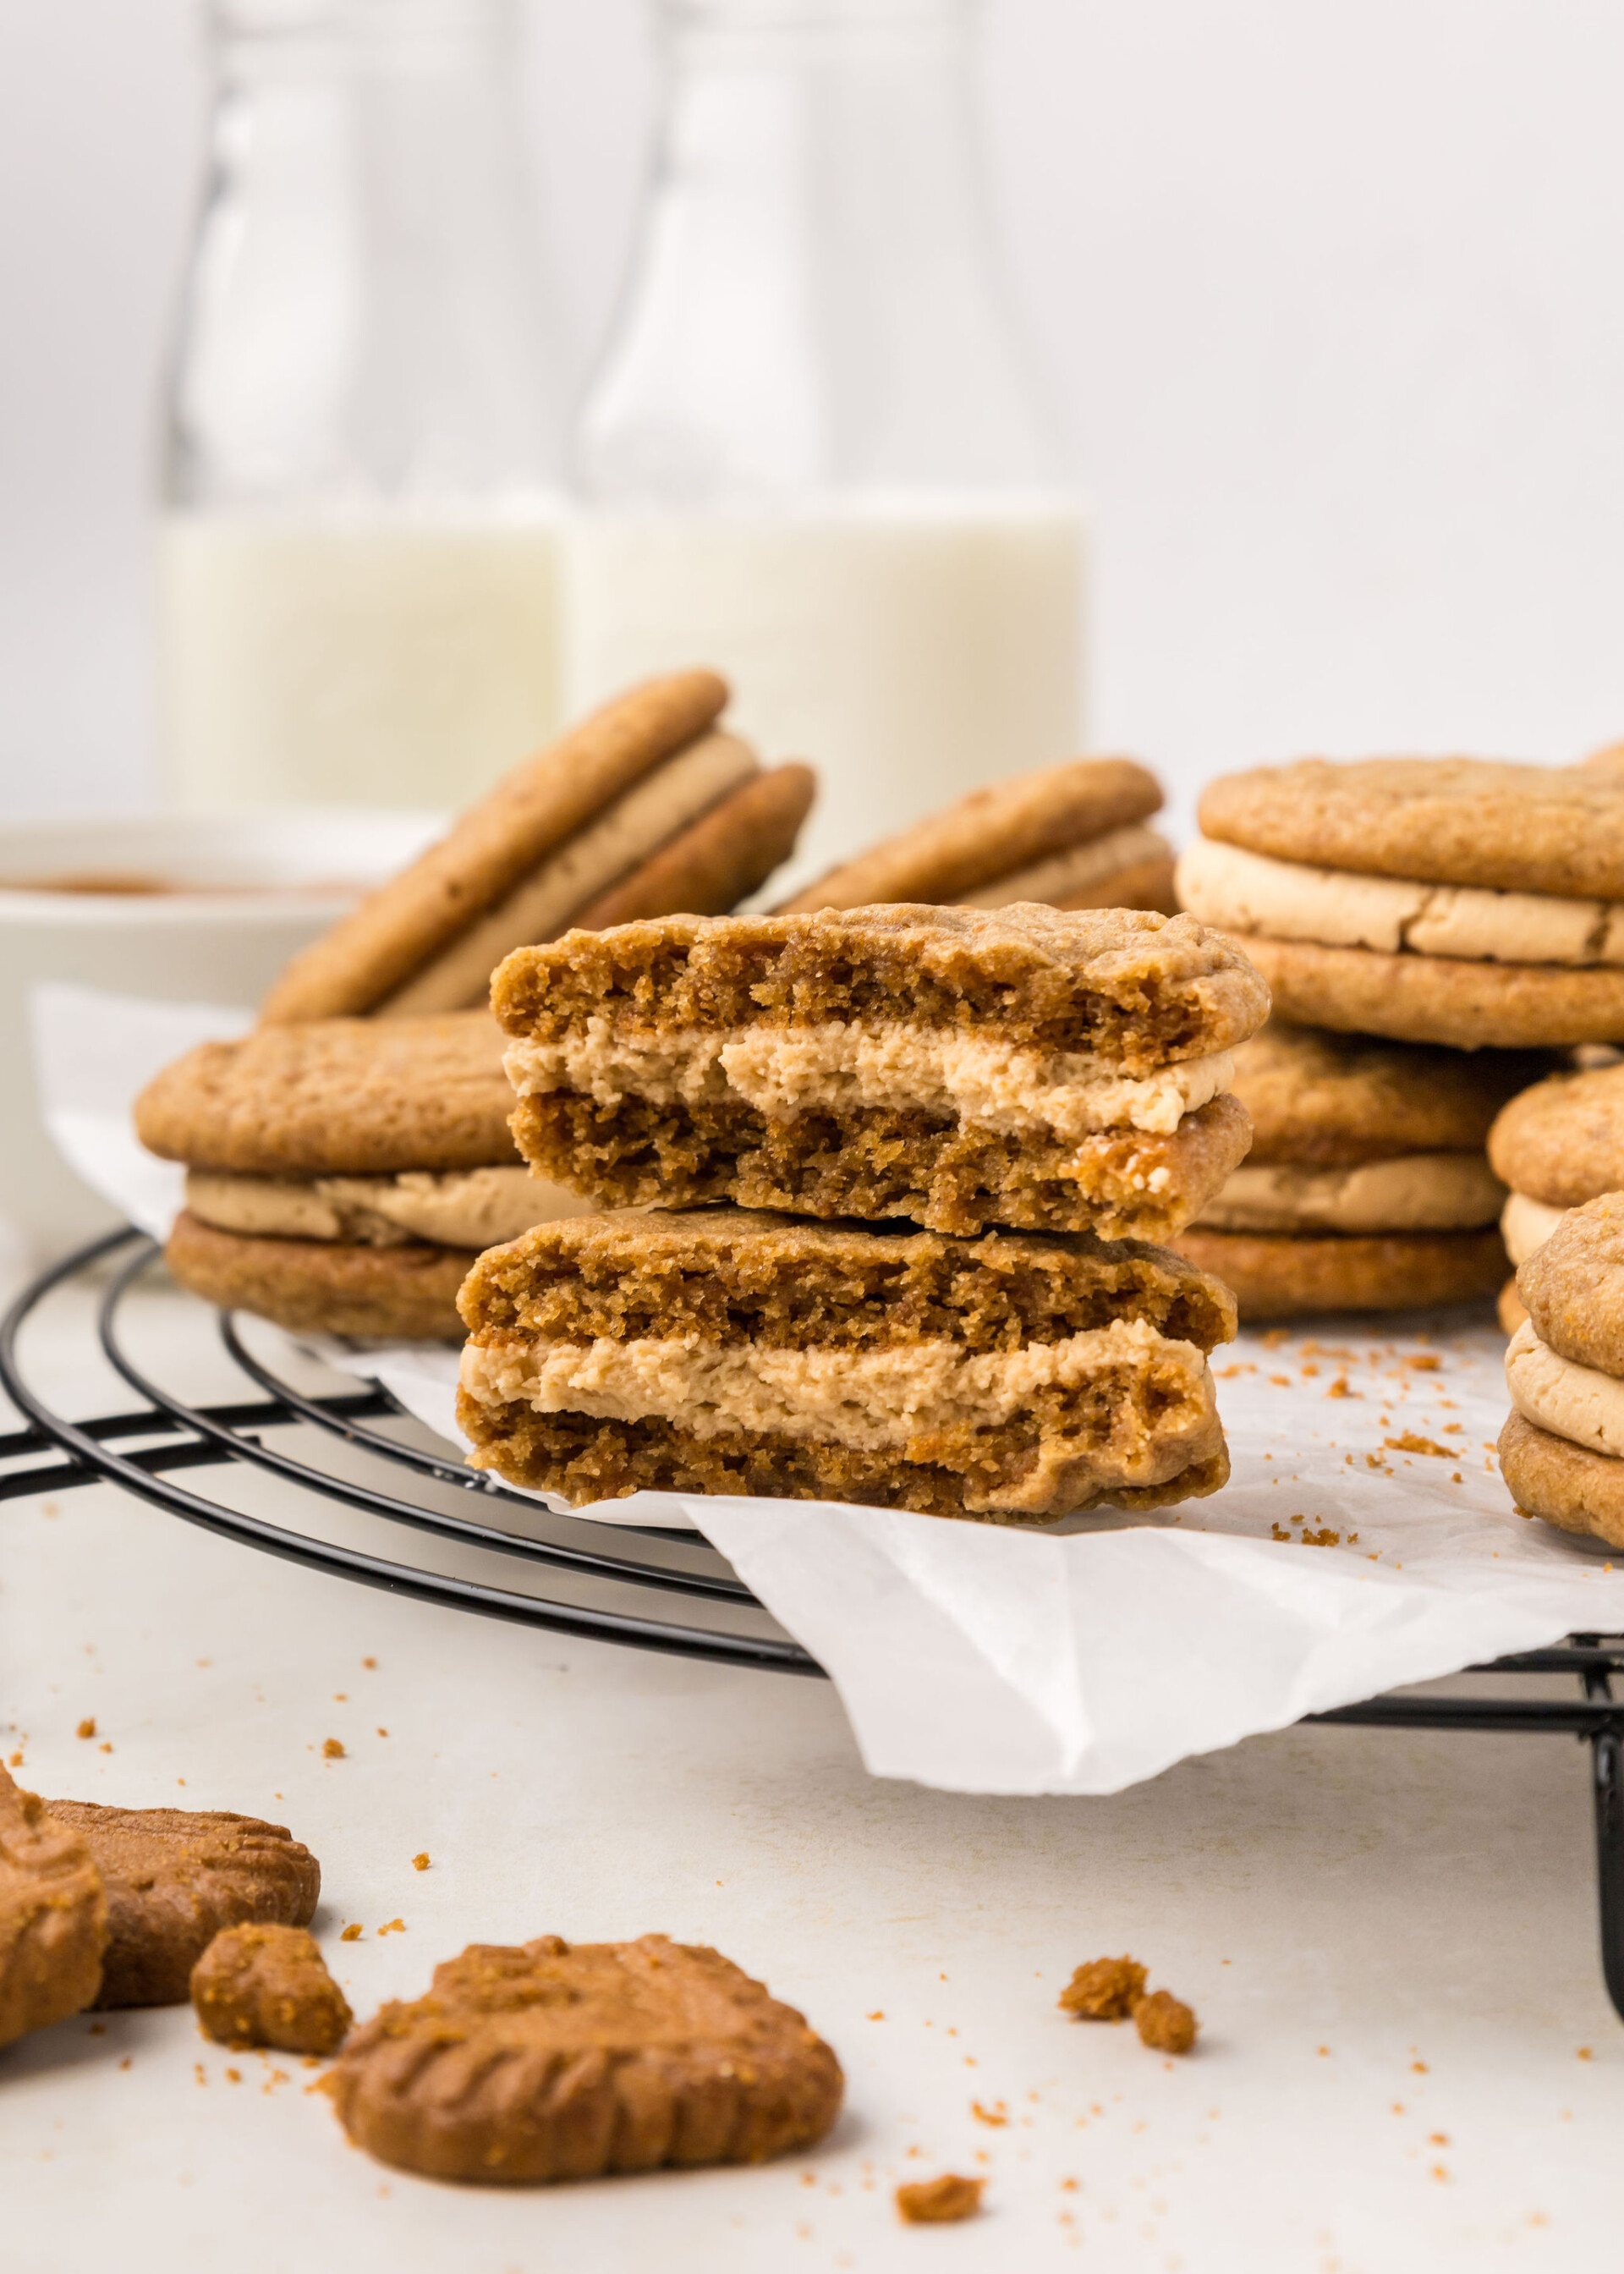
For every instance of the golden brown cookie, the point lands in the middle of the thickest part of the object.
(266, 1984)
(719, 860)
(1566, 1484)
(1279, 1276)
(53, 1917)
(1562, 1142)
(1316, 1097)
(549, 2062)
(174, 1878)
(399, 928)
(958, 1067)
(1013, 1377)
(359, 1096)
(312, 1286)
(991, 833)
(1459, 821)
(1573, 1287)
(1435, 998)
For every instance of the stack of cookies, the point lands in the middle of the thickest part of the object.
(644, 809)
(1071, 836)
(896, 1136)
(1561, 1452)
(1367, 1186)
(1556, 1146)
(342, 1174)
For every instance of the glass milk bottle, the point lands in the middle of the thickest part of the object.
(813, 454)
(358, 553)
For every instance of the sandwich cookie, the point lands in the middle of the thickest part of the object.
(343, 1174)
(1367, 1186)
(1013, 1378)
(1450, 900)
(1561, 1451)
(1072, 836)
(956, 1066)
(645, 808)
(1557, 1145)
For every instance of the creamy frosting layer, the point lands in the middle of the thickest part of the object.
(1525, 1225)
(872, 1400)
(783, 1071)
(467, 1208)
(1240, 892)
(1571, 1401)
(1414, 1192)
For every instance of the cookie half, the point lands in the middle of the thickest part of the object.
(552, 2061)
(958, 1068)
(1566, 1484)
(174, 1878)
(53, 1917)
(1436, 999)
(1012, 1377)
(1285, 1275)
(406, 1294)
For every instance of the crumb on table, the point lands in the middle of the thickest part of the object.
(1165, 2022)
(932, 2203)
(1104, 1989)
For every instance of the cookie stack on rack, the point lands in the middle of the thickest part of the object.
(1556, 1146)
(879, 1179)
(1473, 907)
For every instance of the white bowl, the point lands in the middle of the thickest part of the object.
(243, 891)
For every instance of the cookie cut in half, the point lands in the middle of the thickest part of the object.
(1367, 1186)
(643, 808)
(552, 2061)
(343, 1174)
(958, 1067)
(1013, 1377)
(1452, 900)
(1072, 836)
(1563, 1450)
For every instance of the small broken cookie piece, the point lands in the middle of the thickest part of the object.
(174, 1878)
(1104, 1990)
(53, 1917)
(1164, 2022)
(265, 1984)
(936, 2203)
(549, 2061)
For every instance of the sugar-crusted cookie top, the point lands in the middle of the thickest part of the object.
(1125, 982)
(1562, 1142)
(336, 1096)
(1317, 1097)
(1455, 821)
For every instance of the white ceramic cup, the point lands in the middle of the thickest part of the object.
(244, 891)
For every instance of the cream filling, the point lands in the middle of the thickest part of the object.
(1074, 870)
(464, 1207)
(1525, 1225)
(1241, 892)
(783, 1071)
(873, 1401)
(1571, 1401)
(1414, 1192)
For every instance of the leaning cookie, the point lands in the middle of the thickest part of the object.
(551, 2061)
(645, 798)
(1562, 1453)
(53, 1917)
(1071, 836)
(174, 1878)
(1446, 901)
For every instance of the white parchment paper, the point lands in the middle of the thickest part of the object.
(1365, 1540)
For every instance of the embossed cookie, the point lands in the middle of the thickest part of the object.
(174, 1878)
(553, 2061)
(955, 1067)
(53, 1917)
(1015, 1377)
(266, 1984)
(645, 799)
(1072, 836)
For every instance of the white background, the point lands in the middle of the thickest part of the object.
(1332, 296)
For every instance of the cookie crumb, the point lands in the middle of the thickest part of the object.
(331, 1750)
(936, 2203)
(371, 1664)
(1104, 1989)
(352, 1933)
(1409, 1442)
(420, 1862)
(267, 1984)
(393, 1926)
(996, 2115)
(87, 1726)
(1165, 2022)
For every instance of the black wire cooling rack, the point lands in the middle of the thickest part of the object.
(363, 1463)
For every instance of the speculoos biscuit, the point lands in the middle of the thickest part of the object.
(53, 1917)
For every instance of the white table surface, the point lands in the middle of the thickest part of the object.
(1407, 2058)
